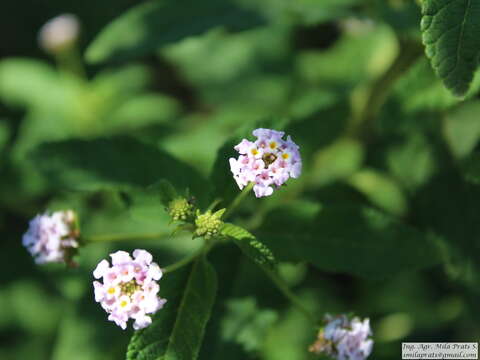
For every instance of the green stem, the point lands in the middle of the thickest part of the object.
(187, 259)
(283, 287)
(121, 237)
(238, 200)
(70, 61)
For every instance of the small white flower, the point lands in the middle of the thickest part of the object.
(59, 33)
(129, 289)
(52, 238)
(344, 339)
(268, 162)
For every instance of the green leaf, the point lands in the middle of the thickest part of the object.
(28, 82)
(253, 248)
(246, 324)
(311, 12)
(153, 24)
(165, 190)
(471, 168)
(412, 162)
(453, 215)
(462, 129)
(337, 161)
(380, 189)
(451, 34)
(118, 162)
(177, 330)
(349, 239)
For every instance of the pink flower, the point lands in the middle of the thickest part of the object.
(52, 238)
(344, 338)
(129, 288)
(268, 162)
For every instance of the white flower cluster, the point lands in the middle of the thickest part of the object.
(344, 338)
(52, 238)
(267, 162)
(59, 33)
(129, 289)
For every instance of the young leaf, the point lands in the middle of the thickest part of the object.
(177, 330)
(117, 162)
(153, 24)
(451, 34)
(253, 248)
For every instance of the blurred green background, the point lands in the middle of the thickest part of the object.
(347, 79)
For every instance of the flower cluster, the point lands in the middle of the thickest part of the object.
(208, 224)
(59, 33)
(52, 238)
(180, 209)
(267, 162)
(344, 338)
(129, 289)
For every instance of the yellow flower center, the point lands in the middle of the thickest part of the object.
(273, 145)
(123, 303)
(254, 151)
(285, 156)
(111, 290)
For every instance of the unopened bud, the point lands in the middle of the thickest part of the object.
(59, 33)
(180, 209)
(208, 224)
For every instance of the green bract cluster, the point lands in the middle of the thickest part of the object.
(208, 224)
(180, 209)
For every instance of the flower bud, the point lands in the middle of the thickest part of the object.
(180, 209)
(59, 33)
(208, 224)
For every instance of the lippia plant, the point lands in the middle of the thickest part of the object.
(213, 177)
(130, 287)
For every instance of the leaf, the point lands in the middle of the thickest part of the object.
(471, 168)
(311, 12)
(380, 189)
(452, 215)
(349, 239)
(461, 128)
(177, 330)
(412, 163)
(28, 82)
(118, 162)
(451, 34)
(337, 161)
(246, 324)
(253, 248)
(153, 24)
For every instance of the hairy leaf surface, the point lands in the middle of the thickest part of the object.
(177, 330)
(451, 34)
(253, 248)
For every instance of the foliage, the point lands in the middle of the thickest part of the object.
(450, 34)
